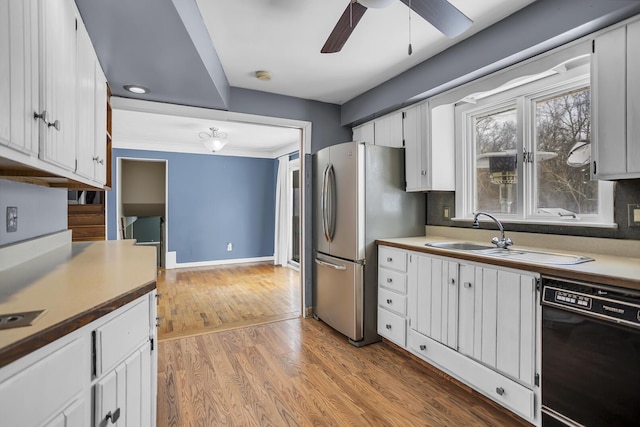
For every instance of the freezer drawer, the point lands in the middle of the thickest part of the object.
(338, 295)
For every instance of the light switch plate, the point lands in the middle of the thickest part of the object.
(12, 219)
(634, 215)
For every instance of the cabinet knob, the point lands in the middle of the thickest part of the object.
(452, 281)
(113, 417)
(389, 280)
(388, 326)
(158, 321)
(99, 160)
(423, 173)
(423, 347)
(42, 116)
(158, 295)
(467, 284)
(389, 301)
(55, 124)
(500, 391)
(389, 259)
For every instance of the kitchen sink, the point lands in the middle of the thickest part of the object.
(17, 320)
(536, 257)
(460, 246)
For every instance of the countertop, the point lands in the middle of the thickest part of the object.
(614, 270)
(76, 283)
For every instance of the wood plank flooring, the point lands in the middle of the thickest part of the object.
(207, 299)
(300, 372)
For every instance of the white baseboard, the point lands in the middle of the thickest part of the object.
(171, 261)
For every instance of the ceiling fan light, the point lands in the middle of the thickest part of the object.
(376, 4)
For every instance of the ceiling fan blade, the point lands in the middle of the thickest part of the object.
(344, 27)
(442, 15)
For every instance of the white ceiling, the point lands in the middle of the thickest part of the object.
(285, 37)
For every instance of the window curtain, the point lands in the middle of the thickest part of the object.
(281, 240)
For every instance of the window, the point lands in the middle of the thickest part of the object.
(526, 154)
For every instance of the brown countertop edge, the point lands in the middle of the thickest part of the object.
(20, 348)
(557, 271)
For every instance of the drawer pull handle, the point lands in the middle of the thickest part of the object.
(113, 417)
(388, 326)
(500, 391)
(467, 284)
(389, 259)
(389, 280)
(423, 347)
(159, 321)
(389, 301)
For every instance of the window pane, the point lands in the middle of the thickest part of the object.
(496, 170)
(563, 155)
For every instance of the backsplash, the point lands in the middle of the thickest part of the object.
(41, 210)
(627, 192)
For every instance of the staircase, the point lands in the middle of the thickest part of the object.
(87, 222)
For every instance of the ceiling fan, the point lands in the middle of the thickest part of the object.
(439, 13)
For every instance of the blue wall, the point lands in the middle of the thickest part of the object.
(213, 200)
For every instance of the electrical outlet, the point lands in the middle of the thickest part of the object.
(229, 247)
(445, 212)
(634, 215)
(12, 219)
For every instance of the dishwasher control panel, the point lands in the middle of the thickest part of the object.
(605, 304)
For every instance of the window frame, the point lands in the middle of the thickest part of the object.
(524, 99)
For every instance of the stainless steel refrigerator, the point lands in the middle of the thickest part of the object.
(359, 196)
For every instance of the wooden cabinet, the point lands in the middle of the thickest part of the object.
(111, 360)
(392, 294)
(19, 93)
(615, 106)
(364, 133)
(474, 321)
(388, 130)
(58, 90)
(497, 320)
(429, 148)
(434, 289)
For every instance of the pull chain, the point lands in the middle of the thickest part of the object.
(410, 50)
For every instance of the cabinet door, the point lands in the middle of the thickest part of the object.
(388, 130)
(415, 141)
(609, 106)
(123, 396)
(100, 146)
(86, 93)
(73, 416)
(467, 309)
(633, 98)
(437, 299)
(364, 133)
(58, 95)
(19, 92)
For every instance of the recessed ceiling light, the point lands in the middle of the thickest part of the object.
(136, 89)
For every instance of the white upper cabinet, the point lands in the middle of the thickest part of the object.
(19, 96)
(388, 130)
(100, 135)
(58, 95)
(86, 94)
(364, 133)
(616, 103)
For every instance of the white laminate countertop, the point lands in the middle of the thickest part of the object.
(76, 283)
(609, 267)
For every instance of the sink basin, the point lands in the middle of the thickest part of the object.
(460, 246)
(513, 254)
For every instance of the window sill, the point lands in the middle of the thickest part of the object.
(563, 223)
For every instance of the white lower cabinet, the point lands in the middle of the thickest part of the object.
(477, 322)
(55, 385)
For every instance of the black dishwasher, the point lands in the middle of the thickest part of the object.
(590, 354)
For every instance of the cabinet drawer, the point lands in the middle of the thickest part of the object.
(393, 280)
(506, 392)
(392, 326)
(392, 258)
(120, 336)
(392, 301)
(41, 389)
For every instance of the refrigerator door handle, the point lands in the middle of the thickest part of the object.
(331, 265)
(325, 226)
(331, 187)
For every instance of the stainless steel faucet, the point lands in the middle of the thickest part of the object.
(503, 242)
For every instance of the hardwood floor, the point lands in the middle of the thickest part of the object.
(207, 299)
(300, 372)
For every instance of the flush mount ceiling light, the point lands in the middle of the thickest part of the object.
(265, 76)
(215, 140)
(376, 4)
(136, 89)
